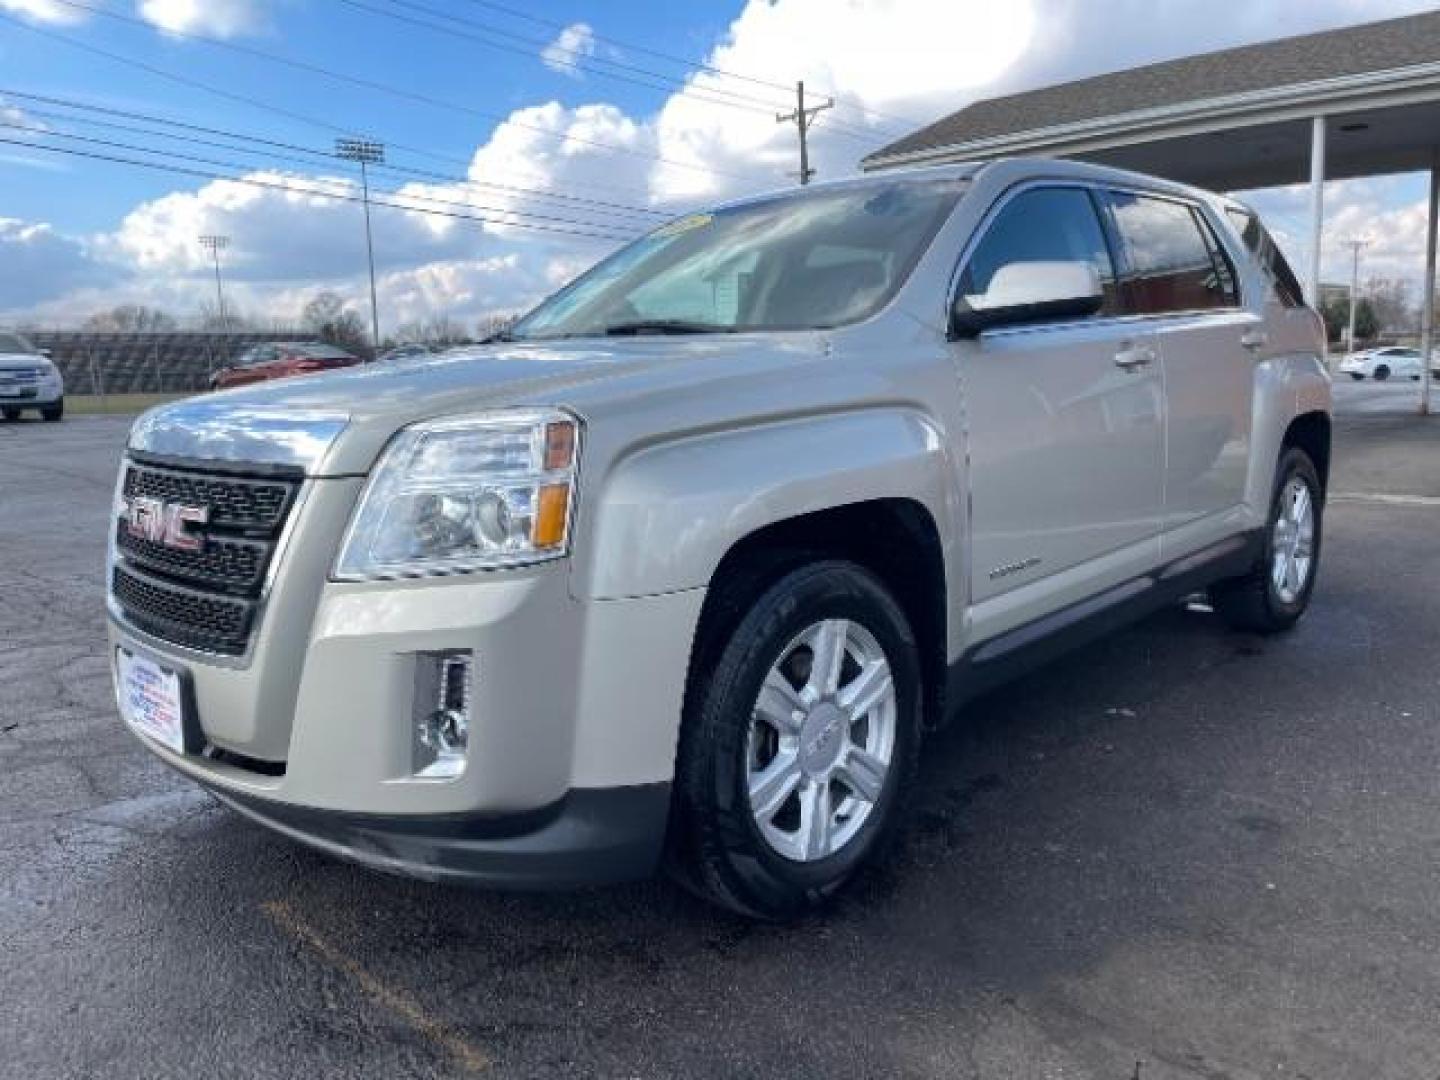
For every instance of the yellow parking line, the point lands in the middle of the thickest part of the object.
(470, 1057)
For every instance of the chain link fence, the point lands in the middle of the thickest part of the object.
(163, 363)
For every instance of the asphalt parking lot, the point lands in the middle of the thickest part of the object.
(1181, 852)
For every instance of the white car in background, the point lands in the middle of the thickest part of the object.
(28, 380)
(1396, 361)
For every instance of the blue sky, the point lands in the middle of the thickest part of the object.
(326, 34)
(77, 236)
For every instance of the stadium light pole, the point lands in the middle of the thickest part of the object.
(216, 244)
(366, 153)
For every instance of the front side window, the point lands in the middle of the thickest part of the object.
(796, 262)
(1168, 264)
(1042, 225)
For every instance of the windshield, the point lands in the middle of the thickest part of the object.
(794, 262)
(14, 343)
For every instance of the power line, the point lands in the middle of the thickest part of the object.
(394, 91)
(709, 69)
(286, 151)
(252, 102)
(298, 189)
(585, 62)
(412, 196)
(527, 45)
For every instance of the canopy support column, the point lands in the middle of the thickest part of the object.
(1427, 301)
(1317, 207)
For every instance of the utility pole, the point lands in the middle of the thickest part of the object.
(366, 153)
(1355, 247)
(803, 117)
(216, 244)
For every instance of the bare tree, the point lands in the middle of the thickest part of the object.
(131, 319)
(436, 330)
(328, 318)
(233, 321)
(1395, 311)
(492, 326)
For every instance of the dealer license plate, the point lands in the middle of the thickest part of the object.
(150, 699)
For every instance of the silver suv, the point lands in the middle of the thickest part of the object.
(678, 571)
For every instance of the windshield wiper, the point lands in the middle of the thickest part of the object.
(663, 326)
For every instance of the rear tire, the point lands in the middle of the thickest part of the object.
(10, 414)
(55, 412)
(792, 771)
(1276, 593)
(1357, 376)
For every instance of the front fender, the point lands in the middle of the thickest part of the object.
(665, 515)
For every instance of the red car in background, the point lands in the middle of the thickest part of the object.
(280, 360)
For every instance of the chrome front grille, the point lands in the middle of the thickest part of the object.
(206, 594)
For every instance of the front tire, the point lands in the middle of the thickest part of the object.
(1382, 373)
(10, 414)
(1276, 593)
(800, 744)
(55, 412)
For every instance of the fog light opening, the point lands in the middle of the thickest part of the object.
(442, 713)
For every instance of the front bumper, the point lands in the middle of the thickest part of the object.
(587, 838)
(311, 731)
(36, 395)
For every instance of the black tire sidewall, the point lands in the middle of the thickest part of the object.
(761, 878)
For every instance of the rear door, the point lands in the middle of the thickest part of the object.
(1065, 424)
(1175, 273)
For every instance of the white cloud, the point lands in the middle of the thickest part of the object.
(37, 263)
(1387, 212)
(575, 42)
(891, 64)
(220, 18)
(45, 11)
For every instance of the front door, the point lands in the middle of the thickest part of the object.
(1066, 425)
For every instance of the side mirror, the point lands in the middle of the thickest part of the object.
(45, 353)
(1030, 292)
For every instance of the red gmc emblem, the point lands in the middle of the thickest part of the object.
(166, 524)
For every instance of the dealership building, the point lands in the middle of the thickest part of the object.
(1355, 102)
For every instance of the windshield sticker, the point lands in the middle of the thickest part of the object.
(684, 225)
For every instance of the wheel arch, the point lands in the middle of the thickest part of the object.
(1311, 432)
(895, 538)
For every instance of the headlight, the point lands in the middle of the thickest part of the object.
(452, 496)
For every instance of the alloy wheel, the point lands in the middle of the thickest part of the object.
(821, 739)
(1293, 541)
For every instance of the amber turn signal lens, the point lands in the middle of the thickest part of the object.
(559, 445)
(550, 515)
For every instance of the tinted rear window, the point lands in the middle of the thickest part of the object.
(1267, 253)
(1167, 257)
(320, 352)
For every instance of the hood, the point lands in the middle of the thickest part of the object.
(335, 423)
(11, 361)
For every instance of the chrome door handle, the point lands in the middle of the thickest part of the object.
(1134, 357)
(1254, 339)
